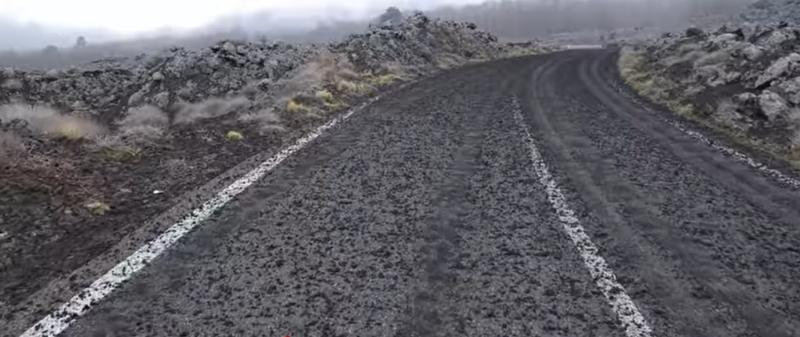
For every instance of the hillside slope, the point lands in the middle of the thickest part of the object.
(89, 154)
(742, 79)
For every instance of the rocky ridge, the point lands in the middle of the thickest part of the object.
(742, 78)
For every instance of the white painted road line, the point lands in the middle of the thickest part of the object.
(632, 320)
(80, 304)
(741, 157)
(732, 153)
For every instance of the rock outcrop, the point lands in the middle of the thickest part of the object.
(107, 88)
(744, 78)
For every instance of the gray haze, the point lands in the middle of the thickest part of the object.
(513, 20)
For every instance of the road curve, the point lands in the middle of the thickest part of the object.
(427, 214)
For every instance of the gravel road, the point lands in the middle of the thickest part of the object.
(422, 215)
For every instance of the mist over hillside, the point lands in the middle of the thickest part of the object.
(523, 19)
(35, 46)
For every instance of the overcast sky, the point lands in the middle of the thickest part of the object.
(126, 17)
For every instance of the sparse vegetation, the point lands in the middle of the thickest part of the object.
(293, 106)
(47, 121)
(384, 80)
(143, 125)
(740, 82)
(353, 88)
(98, 208)
(121, 153)
(326, 96)
(634, 70)
(147, 115)
(234, 136)
(210, 108)
(328, 99)
(172, 120)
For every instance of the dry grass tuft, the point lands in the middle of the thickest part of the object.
(326, 96)
(144, 115)
(634, 70)
(293, 106)
(47, 121)
(115, 148)
(234, 136)
(97, 208)
(210, 108)
(143, 125)
(631, 63)
(384, 80)
(329, 100)
(124, 153)
(353, 88)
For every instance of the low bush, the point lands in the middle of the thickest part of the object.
(122, 153)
